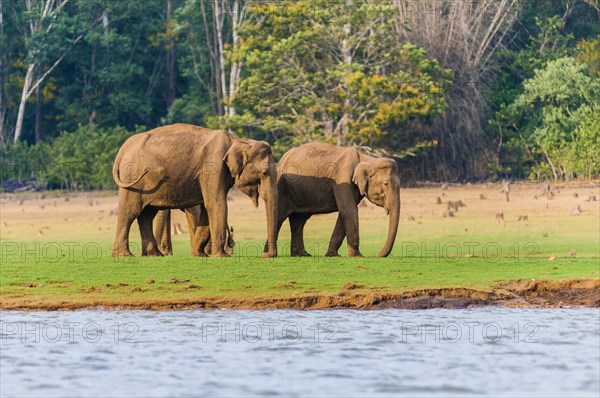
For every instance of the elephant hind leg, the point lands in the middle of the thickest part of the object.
(162, 232)
(297, 223)
(149, 245)
(217, 220)
(197, 219)
(129, 209)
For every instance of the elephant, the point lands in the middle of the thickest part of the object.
(181, 166)
(199, 230)
(319, 178)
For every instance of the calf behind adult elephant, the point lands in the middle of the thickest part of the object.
(320, 178)
(199, 232)
(181, 166)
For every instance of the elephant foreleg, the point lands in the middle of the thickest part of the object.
(349, 214)
(217, 216)
(149, 245)
(277, 229)
(297, 223)
(337, 237)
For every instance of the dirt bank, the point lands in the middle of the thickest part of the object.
(522, 294)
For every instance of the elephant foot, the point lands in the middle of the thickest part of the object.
(198, 254)
(121, 251)
(268, 255)
(220, 254)
(354, 253)
(166, 251)
(152, 253)
(301, 253)
(332, 254)
(122, 254)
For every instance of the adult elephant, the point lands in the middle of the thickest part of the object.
(199, 231)
(182, 166)
(320, 178)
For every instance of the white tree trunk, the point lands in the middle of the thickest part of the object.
(347, 55)
(2, 111)
(219, 16)
(50, 10)
(234, 73)
(24, 96)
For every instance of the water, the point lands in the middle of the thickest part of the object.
(486, 351)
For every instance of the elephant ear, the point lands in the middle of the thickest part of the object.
(236, 158)
(361, 177)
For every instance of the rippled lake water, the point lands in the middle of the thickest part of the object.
(487, 351)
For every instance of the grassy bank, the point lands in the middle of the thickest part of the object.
(55, 253)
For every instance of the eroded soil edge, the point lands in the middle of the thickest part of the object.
(521, 293)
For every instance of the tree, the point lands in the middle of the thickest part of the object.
(118, 75)
(588, 52)
(41, 20)
(334, 73)
(464, 36)
(211, 30)
(554, 116)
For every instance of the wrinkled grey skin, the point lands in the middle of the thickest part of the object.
(181, 166)
(320, 178)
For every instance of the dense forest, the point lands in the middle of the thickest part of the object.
(455, 90)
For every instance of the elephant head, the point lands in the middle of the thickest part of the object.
(379, 181)
(252, 168)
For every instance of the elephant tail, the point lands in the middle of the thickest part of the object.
(117, 177)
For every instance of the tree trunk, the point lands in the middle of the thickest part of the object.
(347, 54)
(170, 58)
(212, 56)
(234, 65)
(23, 103)
(38, 114)
(2, 80)
(92, 108)
(218, 23)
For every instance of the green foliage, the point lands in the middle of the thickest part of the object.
(298, 87)
(335, 70)
(198, 99)
(518, 65)
(78, 160)
(539, 94)
(588, 52)
(555, 117)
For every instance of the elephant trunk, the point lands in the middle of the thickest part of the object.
(270, 198)
(393, 206)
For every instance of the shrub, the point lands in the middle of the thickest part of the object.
(77, 160)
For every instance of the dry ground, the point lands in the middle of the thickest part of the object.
(92, 215)
(471, 258)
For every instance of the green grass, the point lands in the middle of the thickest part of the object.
(67, 267)
(106, 280)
